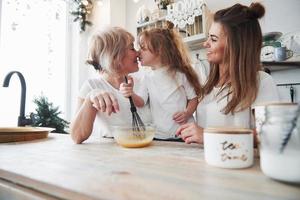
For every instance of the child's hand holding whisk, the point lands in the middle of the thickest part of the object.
(127, 90)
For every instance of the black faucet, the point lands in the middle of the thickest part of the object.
(22, 120)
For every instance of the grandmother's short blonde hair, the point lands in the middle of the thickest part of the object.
(108, 47)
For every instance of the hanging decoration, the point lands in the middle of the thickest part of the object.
(83, 9)
(162, 4)
(184, 12)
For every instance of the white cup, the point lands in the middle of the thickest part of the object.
(281, 54)
(228, 147)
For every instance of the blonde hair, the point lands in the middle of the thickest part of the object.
(168, 45)
(108, 48)
(241, 54)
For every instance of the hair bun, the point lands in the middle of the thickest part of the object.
(257, 9)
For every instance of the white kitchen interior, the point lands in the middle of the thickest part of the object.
(71, 72)
(43, 52)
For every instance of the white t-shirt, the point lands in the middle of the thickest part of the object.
(167, 95)
(209, 112)
(103, 122)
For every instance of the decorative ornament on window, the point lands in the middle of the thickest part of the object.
(184, 12)
(83, 9)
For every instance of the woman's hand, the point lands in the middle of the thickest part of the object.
(127, 88)
(181, 117)
(190, 133)
(104, 101)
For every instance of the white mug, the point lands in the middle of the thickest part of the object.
(281, 54)
(228, 147)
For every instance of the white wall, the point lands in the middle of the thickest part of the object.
(281, 16)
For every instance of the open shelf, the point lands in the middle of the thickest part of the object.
(278, 66)
(150, 23)
(283, 63)
(195, 42)
(193, 35)
(291, 63)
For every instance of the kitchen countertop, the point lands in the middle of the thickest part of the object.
(56, 168)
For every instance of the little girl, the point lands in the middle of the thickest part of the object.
(172, 86)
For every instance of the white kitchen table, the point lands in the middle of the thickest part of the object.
(56, 168)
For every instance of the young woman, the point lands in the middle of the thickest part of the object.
(235, 82)
(112, 54)
(171, 84)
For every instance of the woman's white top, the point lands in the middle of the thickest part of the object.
(167, 95)
(103, 122)
(209, 110)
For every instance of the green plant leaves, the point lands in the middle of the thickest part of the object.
(47, 115)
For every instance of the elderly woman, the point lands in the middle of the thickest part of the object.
(111, 53)
(235, 82)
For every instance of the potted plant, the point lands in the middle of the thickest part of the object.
(47, 115)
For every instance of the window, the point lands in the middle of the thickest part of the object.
(33, 41)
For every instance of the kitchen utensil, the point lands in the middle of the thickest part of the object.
(292, 93)
(138, 127)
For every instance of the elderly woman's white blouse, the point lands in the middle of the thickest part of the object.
(103, 122)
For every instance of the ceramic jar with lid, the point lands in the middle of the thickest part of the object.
(228, 147)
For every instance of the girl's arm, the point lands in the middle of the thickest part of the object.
(191, 106)
(137, 100)
(182, 116)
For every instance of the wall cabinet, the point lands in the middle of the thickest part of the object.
(193, 35)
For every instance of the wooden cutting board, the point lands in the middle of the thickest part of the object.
(18, 134)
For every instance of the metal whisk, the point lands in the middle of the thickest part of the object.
(138, 127)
